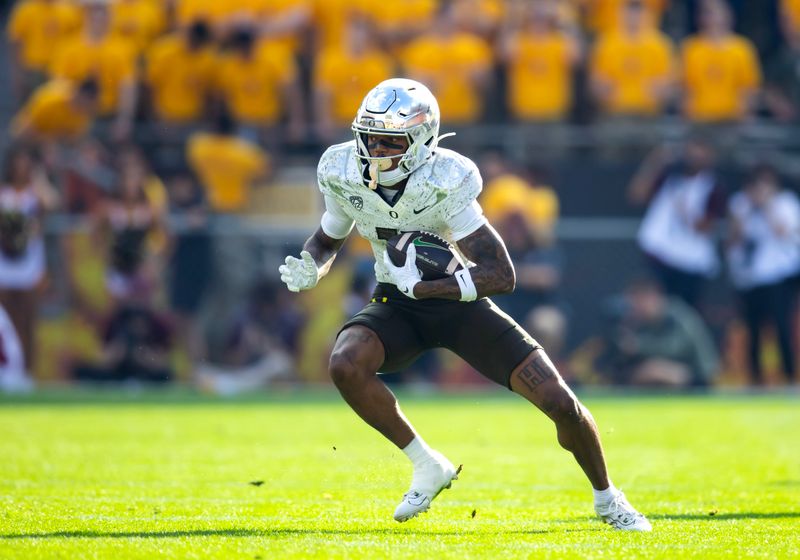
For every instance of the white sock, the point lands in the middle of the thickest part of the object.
(605, 496)
(418, 452)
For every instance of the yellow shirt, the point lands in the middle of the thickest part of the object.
(49, 113)
(139, 21)
(227, 167)
(540, 76)
(509, 193)
(445, 65)
(408, 15)
(112, 62)
(331, 18)
(252, 88)
(632, 65)
(347, 79)
(716, 75)
(179, 79)
(605, 16)
(39, 27)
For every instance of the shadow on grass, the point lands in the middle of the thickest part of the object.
(240, 533)
(724, 516)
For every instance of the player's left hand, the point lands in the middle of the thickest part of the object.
(407, 276)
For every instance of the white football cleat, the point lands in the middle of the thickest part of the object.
(428, 481)
(620, 514)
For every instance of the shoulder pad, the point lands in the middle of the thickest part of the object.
(450, 170)
(456, 177)
(334, 162)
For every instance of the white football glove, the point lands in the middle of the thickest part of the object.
(299, 274)
(407, 276)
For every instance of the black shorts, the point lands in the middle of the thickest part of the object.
(479, 332)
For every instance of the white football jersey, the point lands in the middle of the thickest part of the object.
(437, 197)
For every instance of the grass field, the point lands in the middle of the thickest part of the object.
(110, 476)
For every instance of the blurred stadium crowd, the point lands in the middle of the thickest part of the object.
(144, 126)
(294, 62)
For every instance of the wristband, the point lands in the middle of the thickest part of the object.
(468, 290)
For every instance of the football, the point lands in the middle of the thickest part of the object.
(435, 257)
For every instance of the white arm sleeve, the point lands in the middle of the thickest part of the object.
(335, 223)
(468, 221)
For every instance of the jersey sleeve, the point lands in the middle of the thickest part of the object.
(467, 222)
(462, 196)
(335, 223)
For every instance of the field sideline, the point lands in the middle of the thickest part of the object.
(112, 476)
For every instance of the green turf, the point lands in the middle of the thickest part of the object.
(719, 477)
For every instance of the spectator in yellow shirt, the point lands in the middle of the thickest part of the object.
(258, 81)
(57, 111)
(330, 19)
(455, 65)
(525, 212)
(721, 72)
(35, 30)
(179, 74)
(343, 75)
(540, 59)
(226, 165)
(632, 68)
(97, 53)
(138, 21)
(507, 190)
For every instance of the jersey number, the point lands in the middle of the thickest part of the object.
(385, 234)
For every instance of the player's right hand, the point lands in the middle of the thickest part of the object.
(299, 274)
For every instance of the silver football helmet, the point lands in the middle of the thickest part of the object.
(397, 107)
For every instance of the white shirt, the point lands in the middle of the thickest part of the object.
(24, 271)
(12, 362)
(439, 197)
(763, 256)
(668, 230)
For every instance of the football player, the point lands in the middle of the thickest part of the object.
(393, 177)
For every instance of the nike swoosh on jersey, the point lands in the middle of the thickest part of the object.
(420, 211)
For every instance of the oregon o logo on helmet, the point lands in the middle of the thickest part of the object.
(357, 202)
